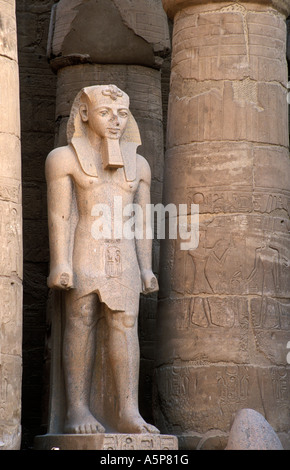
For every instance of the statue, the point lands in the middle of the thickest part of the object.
(99, 275)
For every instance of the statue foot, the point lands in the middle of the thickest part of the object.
(135, 424)
(82, 423)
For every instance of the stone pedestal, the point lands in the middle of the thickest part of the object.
(105, 442)
(224, 307)
(10, 235)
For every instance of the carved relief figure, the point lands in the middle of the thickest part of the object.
(266, 272)
(98, 164)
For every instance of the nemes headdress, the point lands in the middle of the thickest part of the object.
(104, 95)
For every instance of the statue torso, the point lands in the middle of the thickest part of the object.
(103, 260)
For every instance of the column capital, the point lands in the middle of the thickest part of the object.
(174, 6)
(108, 32)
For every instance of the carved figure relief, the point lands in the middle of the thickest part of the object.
(10, 233)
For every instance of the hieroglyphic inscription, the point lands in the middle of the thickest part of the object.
(10, 314)
(9, 396)
(177, 383)
(8, 44)
(239, 200)
(10, 191)
(139, 442)
(10, 236)
(113, 262)
(280, 384)
(233, 200)
(233, 384)
(3, 391)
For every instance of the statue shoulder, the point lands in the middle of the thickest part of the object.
(60, 161)
(143, 169)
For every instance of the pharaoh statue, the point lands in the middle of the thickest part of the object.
(98, 271)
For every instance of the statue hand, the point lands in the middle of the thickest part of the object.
(150, 283)
(60, 278)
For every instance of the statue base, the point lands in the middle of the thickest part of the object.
(106, 442)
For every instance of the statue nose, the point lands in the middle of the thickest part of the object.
(115, 119)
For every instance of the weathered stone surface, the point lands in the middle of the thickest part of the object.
(108, 32)
(174, 6)
(223, 320)
(10, 398)
(10, 235)
(106, 442)
(251, 431)
(203, 106)
(9, 103)
(199, 396)
(8, 38)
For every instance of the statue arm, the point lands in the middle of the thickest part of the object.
(59, 200)
(144, 244)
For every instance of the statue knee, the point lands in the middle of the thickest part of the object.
(84, 316)
(128, 320)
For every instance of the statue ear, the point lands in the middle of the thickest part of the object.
(84, 112)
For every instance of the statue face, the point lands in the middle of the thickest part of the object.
(107, 120)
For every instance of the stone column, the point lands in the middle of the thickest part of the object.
(224, 307)
(123, 43)
(10, 235)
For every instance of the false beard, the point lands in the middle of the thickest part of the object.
(111, 154)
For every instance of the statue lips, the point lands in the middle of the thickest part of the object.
(114, 130)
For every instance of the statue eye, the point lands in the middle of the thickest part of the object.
(123, 114)
(103, 113)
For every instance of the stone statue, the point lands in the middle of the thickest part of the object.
(100, 272)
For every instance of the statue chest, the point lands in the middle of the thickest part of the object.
(104, 189)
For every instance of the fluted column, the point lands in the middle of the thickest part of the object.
(224, 307)
(10, 235)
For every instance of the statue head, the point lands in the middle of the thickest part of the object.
(104, 109)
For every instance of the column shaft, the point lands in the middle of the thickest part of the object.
(11, 235)
(224, 308)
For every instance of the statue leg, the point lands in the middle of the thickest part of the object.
(78, 357)
(124, 358)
